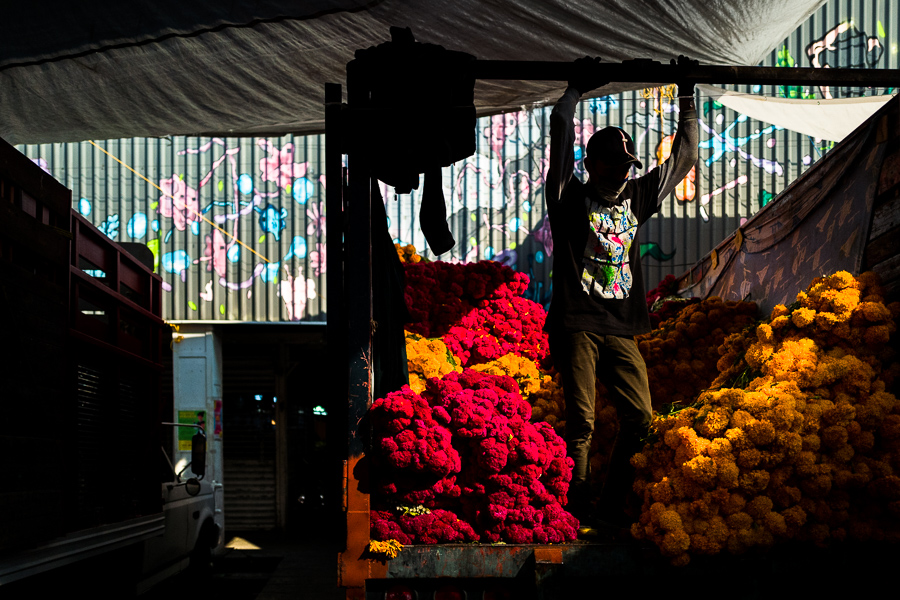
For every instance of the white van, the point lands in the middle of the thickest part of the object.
(191, 535)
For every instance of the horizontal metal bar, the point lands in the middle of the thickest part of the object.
(650, 71)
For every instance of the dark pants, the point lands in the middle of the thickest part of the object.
(581, 357)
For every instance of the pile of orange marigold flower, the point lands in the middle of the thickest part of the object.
(548, 403)
(797, 439)
(683, 353)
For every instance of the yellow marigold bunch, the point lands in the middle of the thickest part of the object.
(524, 370)
(682, 353)
(408, 253)
(427, 358)
(798, 439)
(548, 403)
(844, 311)
(388, 548)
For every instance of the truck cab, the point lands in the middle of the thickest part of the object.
(191, 535)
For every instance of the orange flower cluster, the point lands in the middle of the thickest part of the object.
(408, 253)
(682, 354)
(430, 357)
(803, 444)
(427, 358)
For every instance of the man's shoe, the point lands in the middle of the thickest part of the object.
(603, 531)
(614, 519)
(596, 530)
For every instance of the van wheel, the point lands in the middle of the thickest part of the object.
(201, 557)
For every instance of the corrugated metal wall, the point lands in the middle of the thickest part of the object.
(237, 225)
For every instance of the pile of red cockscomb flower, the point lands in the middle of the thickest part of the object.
(421, 527)
(476, 309)
(462, 462)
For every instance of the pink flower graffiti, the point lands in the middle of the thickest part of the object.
(295, 291)
(279, 165)
(317, 259)
(178, 201)
(316, 220)
(583, 131)
(216, 252)
(543, 235)
(502, 127)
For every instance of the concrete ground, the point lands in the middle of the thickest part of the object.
(261, 566)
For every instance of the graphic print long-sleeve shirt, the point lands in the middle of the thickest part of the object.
(597, 282)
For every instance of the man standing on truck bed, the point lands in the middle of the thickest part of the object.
(599, 301)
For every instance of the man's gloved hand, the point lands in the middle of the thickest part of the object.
(685, 65)
(586, 75)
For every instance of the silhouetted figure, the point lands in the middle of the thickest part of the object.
(598, 303)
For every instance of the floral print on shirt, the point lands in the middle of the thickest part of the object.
(606, 271)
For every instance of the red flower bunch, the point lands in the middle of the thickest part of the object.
(663, 301)
(513, 475)
(667, 287)
(434, 527)
(477, 309)
(413, 436)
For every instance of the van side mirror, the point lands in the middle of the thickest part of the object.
(198, 454)
(192, 486)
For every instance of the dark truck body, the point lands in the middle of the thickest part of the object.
(514, 571)
(81, 401)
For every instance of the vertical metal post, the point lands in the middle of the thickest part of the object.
(336, 323)
(354, 569)
(359, 348)
(359, 306)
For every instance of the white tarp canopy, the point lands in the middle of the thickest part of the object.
(832, 119)
(98, 69)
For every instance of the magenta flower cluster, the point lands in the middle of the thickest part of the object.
(476, 309)
(465, 449)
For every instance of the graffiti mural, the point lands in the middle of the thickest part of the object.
(845, 46)
(236, 227)
(686, 190)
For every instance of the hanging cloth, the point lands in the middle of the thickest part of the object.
(433, 214)
(390, 368)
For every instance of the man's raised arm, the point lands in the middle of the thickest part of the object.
(562, 145)
(562, 127)
(684, 147)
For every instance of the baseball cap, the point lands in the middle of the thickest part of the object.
(613, 146)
